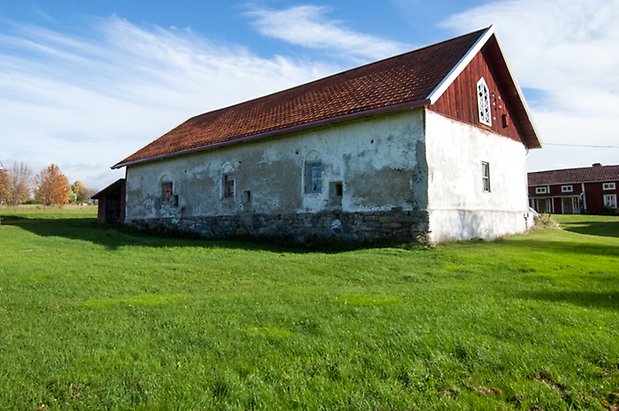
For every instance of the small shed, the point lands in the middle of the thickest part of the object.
(111, 202)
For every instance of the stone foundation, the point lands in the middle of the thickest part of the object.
(391, 225)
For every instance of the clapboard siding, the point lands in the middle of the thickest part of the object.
(459, 101)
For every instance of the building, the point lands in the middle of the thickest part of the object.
(111, 202)
(429, 145)
(574, 190)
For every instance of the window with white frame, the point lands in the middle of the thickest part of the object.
(541, 190)
(483, 102)
(608, 186)
(568, 188)
(610, 200)
(485, 176)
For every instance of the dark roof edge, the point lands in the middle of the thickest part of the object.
(273, 133)
(599, 180)
(455, 71)
(107, 189)
(571, 169)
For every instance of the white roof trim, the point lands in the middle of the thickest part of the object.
(519, 91)
(458, 68)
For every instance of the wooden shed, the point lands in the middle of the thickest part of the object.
(111, 202)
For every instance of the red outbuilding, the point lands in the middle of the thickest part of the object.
(589, 190)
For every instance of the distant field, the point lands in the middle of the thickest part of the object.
(96, 317)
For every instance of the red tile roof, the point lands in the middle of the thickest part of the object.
(402, 81)
(574, 175)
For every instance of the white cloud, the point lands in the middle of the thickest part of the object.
(565, 50)
(308, 26)
(87, 101)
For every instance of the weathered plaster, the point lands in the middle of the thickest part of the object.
(403, 174)
(376, 159)
(457, 205)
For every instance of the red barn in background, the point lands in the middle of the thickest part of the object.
(588, 190)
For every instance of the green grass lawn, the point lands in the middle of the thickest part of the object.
(102, 317)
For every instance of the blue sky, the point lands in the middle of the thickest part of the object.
(84, 83)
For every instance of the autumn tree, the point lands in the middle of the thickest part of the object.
(20, 181)
(5, 186)
(52, 187)
(80, 191)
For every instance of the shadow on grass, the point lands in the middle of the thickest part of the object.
(563, 247)
(590, 299)
(120, 235)
(88, 229)
(597, 228)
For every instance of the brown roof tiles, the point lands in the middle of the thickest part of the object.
(402, 81)
(574, 175)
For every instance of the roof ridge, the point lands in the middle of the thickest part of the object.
(330, 76)
(573, 168)
(399, 82)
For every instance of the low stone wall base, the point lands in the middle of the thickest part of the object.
(393, 225)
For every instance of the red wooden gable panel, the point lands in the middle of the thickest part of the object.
(459, 101)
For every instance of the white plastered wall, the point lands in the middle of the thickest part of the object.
(458, 207)
(376, 159)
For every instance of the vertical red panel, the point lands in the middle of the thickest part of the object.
(459, 101)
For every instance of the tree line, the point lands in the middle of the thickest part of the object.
(19, 185)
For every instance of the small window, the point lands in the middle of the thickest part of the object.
(608, 186)
(485, 176)
(166, 191)
(336, 189)
(247, 197)
(483, 102)
(541, 190)
(313, 180)
(567, 188)
(610, 200)
(228, 185)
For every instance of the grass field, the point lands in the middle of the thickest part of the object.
(103, 317)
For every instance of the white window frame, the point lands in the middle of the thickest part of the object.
(485, 176)
(541, 190)
(568, 188)
(610, 200)
(609, 186)
(483, 102)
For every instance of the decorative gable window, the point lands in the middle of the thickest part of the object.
(166, 191)
(567, 188)
(485, 176)
(483, 102)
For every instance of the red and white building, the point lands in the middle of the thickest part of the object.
(575, 190)
(430, 144)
